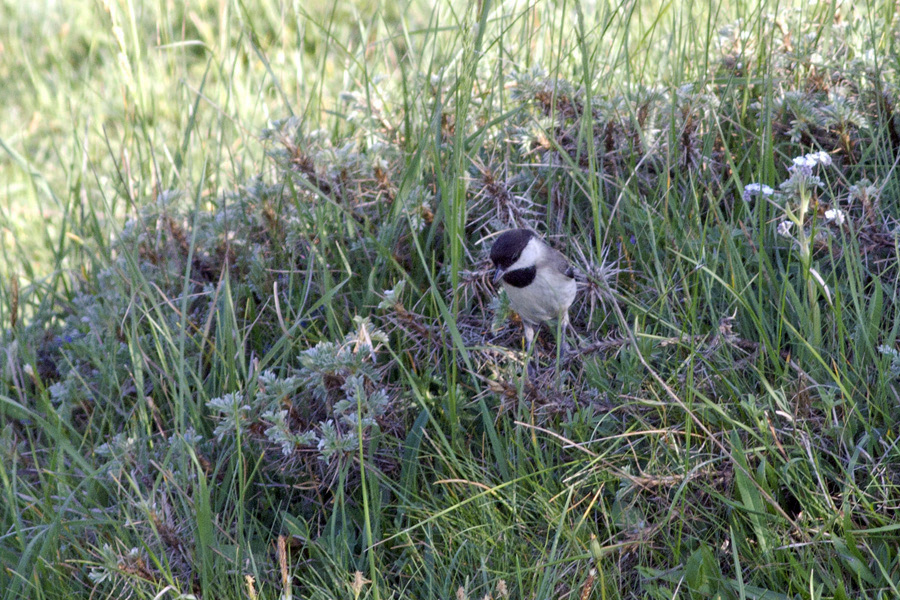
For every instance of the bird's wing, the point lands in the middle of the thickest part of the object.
(560, 263)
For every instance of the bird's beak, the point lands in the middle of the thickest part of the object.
(498, 274)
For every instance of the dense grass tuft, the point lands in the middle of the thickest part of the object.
(250, 346)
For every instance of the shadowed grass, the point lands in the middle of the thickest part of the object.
(254, 351)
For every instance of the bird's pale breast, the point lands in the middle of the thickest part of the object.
(551, 293)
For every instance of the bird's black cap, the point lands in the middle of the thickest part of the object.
(509, 245)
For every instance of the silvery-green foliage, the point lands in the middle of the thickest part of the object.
(500, 308)
(864, 192)
(60, 392)
(417, 204)
(327, 359)
(279, 433)
(273, 387)
(119, 452)
(334, 442)
(803, 114)
(117, 568)
(232, 414)
(528, 83)
(109, 565)
(392, 296)
(358, 405)
(843, 113)
(190, 437)
(340, 376)
(799, 179)
(895, 359)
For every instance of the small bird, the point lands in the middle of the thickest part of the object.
(538, 280)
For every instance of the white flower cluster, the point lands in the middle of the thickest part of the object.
(797, 186)
(836, 215)
(812, 160)
(756, 189)
(784, 229)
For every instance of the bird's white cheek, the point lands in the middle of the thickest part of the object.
(530, 255)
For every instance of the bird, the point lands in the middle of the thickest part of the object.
(539, 281)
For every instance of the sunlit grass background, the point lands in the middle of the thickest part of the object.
(249, 348)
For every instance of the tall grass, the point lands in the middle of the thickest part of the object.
(250, 347)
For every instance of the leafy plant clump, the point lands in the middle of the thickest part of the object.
(310, 383)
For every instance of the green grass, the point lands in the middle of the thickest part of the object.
(250, 348)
